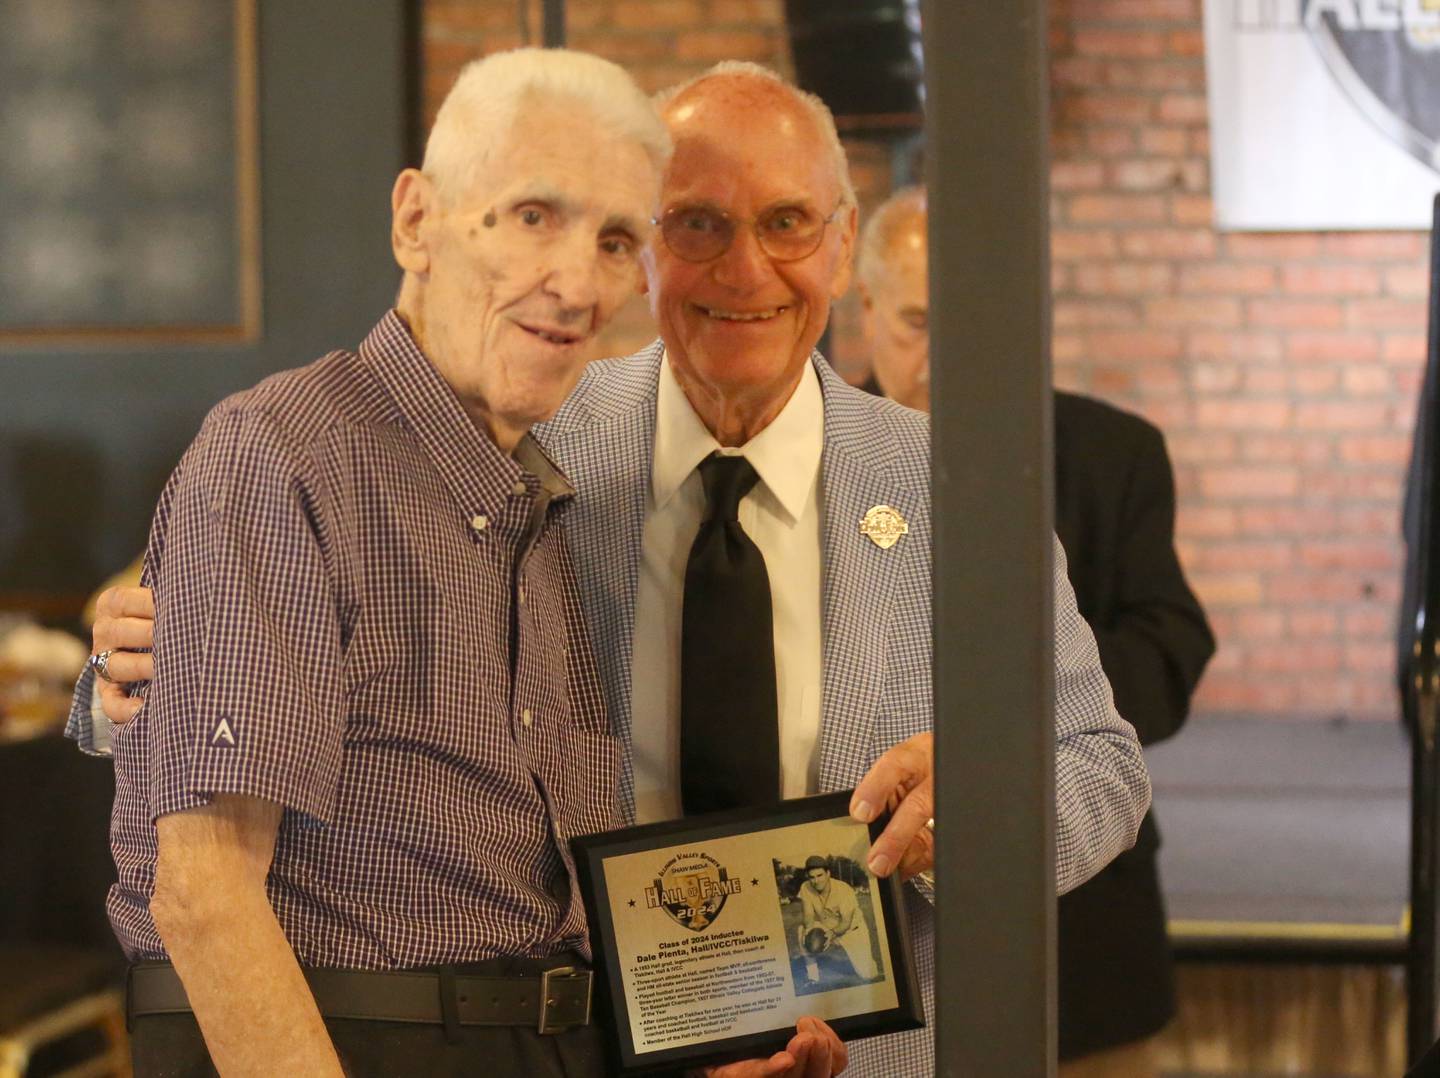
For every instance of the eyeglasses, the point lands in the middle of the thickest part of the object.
(700, 233)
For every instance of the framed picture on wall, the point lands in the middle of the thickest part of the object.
(129, 189)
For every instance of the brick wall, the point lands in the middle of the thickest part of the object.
(1282, 367)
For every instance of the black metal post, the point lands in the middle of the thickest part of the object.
(987, 172)
(553, 28)
(1420, 966)
(1421, 693)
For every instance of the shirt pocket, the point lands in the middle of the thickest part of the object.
(587, 782)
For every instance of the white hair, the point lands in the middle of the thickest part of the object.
(884, 227)
(480, 110)
(811, 103)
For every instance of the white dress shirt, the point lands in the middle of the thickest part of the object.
(782, 516)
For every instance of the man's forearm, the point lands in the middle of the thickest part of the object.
(244, 983)
(250, 998)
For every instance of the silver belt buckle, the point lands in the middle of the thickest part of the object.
(560, 987)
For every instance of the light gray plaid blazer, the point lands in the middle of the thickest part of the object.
(876, 631)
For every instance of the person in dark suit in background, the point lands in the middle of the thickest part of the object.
(1115, 516)
(1418, 481)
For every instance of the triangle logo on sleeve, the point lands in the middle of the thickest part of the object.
(223, 736)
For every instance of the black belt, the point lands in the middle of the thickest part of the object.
(550, 1001)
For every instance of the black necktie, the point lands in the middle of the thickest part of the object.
(729, 729)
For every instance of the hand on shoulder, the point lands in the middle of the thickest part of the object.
(124, 622)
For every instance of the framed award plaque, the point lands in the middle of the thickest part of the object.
(715, 934)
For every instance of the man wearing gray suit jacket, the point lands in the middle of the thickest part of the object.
(741, 304)
(757, 228)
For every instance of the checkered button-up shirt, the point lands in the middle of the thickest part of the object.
(368, 614)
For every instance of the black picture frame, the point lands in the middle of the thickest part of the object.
(789, 823)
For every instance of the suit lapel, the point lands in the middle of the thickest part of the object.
(858, 576)
(604, 440)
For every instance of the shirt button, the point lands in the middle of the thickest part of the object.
(527, 718)
(479, 522)
(520, 592)
(519, 488)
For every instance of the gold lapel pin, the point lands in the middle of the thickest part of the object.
(883, 525)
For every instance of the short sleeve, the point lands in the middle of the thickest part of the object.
(248, 691)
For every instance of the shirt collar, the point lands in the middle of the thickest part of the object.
(530, 456)
(786, 454)
(480, 476)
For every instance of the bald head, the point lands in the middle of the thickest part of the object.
(894, 295)
(756, 86)
(894, 232)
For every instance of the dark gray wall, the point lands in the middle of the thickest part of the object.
(88, 434)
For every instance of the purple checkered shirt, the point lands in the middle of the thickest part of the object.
(367, 613)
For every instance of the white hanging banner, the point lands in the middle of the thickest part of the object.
(1324, 114)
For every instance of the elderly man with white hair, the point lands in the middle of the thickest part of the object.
(375, 719)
